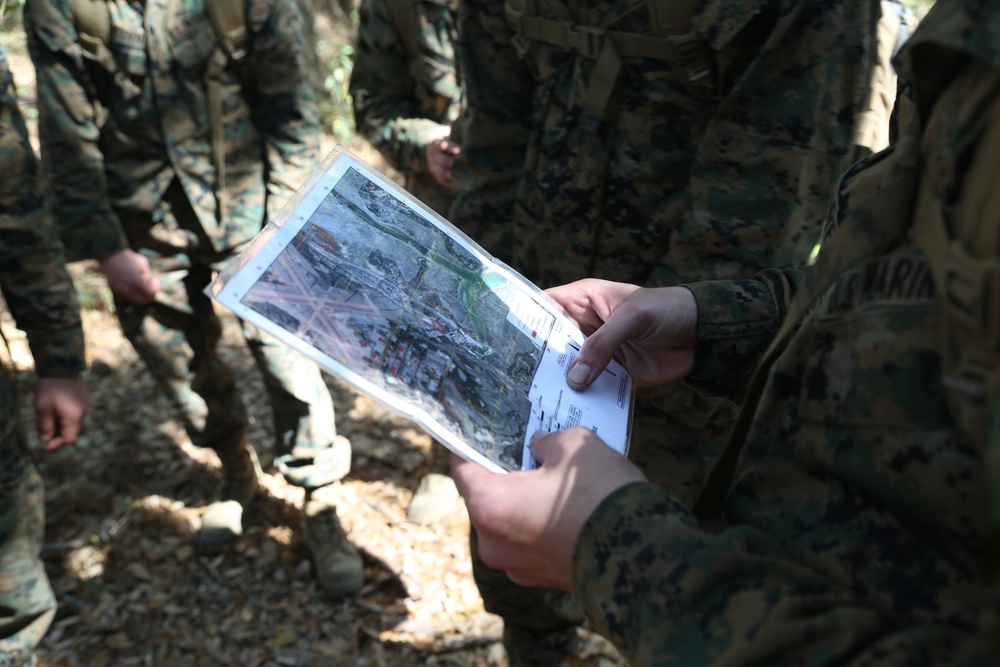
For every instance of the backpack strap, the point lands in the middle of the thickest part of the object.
(93, 25)
(691, 61)
(400, 12)
(674, 41)
(228, 19)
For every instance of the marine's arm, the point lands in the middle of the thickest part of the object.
(666, 590)
(69, 134)
(387, 110)
(659, 586)
(283, 101)
(662, 588)
(40, 294)
(711, 333)
(35, 284)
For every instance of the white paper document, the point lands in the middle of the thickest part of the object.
(399, 304)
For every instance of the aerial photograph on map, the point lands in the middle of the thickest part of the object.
(376, 286)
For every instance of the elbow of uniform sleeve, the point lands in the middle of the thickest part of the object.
(619, 564)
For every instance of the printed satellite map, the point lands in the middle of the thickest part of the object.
(393, 301)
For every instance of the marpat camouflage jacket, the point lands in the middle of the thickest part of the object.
(862, 519)
(36, 286)
(110, 148)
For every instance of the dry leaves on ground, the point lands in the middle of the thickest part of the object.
(123, 501)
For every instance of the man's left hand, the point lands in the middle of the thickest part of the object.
(529, 522)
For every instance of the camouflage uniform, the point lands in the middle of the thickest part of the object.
(39, 293)
(864, 506)
(405, 87)
(654, 171)
(130, 159)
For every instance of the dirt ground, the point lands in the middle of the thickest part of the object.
(122, 503)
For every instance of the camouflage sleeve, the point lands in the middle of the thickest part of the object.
(284, 103)
(736, 321)
(495, 126)
(386, 110)
(69, 132)
(38, 290)
(665, 591)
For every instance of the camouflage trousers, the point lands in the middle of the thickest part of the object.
(676, 438)
(178, 339)
(27, 603)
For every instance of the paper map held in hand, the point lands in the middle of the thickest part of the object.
(398, 303)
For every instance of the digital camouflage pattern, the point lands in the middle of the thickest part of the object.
(668, 185)
(39, 294)
(129, 159)
(863, 512)
(404, 85)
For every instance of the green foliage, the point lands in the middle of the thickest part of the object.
(9, 8)
(340, 118)
(335, 53)
(920, 7)
(91, 287)
(11, 28)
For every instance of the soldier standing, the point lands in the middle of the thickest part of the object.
(406, 92)
(656, 142)
(854, 516)
(39, 293)
(171, 132)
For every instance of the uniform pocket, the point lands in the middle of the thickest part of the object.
(191, 41)
(877, 365)
(872, 409)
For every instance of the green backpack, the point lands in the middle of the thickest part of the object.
(228, 19)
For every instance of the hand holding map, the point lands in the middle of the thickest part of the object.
(398, 303)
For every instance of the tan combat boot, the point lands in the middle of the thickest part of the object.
(336, 562)
(434, 499)
(222, 522)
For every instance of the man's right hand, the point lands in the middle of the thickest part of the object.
(441, 152)
(652, 331)
(128, 275)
